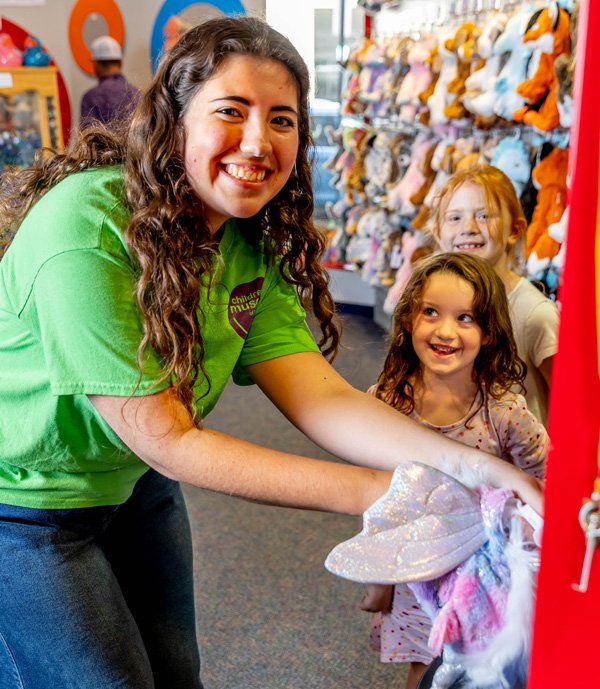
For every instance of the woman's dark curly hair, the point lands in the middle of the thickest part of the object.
(167, 235)
(497, 366)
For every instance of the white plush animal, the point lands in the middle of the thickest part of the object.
(480, 94)
(515, 69)
(440, 97)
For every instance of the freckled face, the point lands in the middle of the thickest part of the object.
(241, 137)
(468, 225)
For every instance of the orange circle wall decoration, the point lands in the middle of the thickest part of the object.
(81, 10)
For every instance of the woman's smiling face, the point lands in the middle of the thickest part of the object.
(241, 137)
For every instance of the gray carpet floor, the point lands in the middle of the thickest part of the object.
(269, 615)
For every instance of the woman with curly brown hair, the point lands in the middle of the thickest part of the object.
(147, 269)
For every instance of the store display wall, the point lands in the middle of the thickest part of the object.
(442, 86)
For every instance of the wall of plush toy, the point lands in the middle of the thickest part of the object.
(488, 85)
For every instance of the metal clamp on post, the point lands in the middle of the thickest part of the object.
(589, 518)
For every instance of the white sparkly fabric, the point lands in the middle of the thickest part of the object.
(424, 526)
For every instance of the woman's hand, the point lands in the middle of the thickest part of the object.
(532, 493)
(528, 488)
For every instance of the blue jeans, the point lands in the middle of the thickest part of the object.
(101, 597)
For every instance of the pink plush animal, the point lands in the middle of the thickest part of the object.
(414, 245)
(412, 180)
(416, 80)
(10, 55)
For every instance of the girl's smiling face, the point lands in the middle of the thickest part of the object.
(241, 137)
(445, 334)
(469, 225)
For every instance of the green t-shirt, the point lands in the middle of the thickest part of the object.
(70, 327)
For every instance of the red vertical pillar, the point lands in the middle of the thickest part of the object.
(368, 25)
(565, 639)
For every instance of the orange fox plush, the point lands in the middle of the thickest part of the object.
(550, 178)
(549, 37)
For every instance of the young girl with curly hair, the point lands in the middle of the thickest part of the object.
(147, 268)
(452, 365)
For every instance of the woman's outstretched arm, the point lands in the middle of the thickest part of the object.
(158, 429)
(348, 423)
(363, 430)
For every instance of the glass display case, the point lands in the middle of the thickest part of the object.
(29, 114)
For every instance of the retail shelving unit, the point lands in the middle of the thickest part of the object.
(29, 114)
